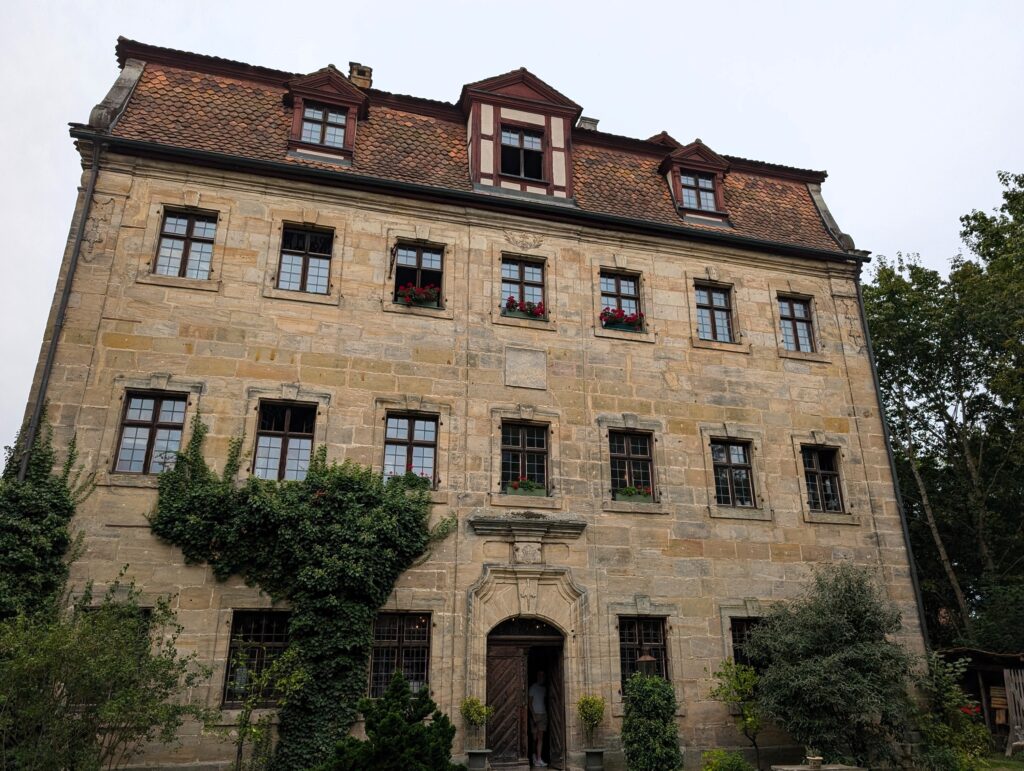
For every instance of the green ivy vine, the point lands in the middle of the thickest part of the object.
(332, 546)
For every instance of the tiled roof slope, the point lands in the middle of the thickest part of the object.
(412, 140)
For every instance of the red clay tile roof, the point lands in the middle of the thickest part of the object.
(423, 142)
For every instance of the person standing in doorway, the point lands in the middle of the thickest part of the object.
(538, 699)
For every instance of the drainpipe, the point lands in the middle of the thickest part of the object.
(58, 322)
(892, 468)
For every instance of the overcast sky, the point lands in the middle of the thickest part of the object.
(911, 107)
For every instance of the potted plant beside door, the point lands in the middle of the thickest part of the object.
(476, 715)
(591, 712)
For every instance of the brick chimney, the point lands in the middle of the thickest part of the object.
(360, 75)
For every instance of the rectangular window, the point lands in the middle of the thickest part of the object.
(410, 444)
(305, 260)
(323, 125)
(795, 317)
(400, 641)
(632, 462)
(740, 629)
(524, 454)
(714, 313)
(284, 440)
(418, 275)
(522, 153)
(620, 300)
(698, 191)
(522, 286)
(258, 638)
(640, 637)
(821, 470)
(150, 432)
(186, 245)
(734, 485)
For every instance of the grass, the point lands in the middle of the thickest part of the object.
(999, 762)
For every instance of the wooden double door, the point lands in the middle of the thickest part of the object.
(512, 666)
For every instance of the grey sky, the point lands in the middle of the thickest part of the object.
(912, 107)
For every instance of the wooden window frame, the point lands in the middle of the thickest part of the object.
(520, 131)
(629, 458)
(818, 476)
(419, 249)
(639, 647)
(409, 442)
(521, 450)
(323, 123)
(739, 631)
(266, 651)
(188, 239)
(730, 466)
(306, 255)
(521, 282)
(711, 307)
(286, 435)
(400, 647)
(153, 425)
(792, 321)
(617, 294)
(697, 189)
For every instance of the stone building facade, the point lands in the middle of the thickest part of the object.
(243, 254)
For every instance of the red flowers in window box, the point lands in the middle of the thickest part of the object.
(418, 295)
(534, 310)
(616, 317)
(523, 485)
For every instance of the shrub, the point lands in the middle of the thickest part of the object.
(720, 760)
(400, 737)
(591, 712)
(833, 679)
(737, 687)
(87, 688)
(650, 736)
(954, 740)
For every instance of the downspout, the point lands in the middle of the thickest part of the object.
(58, 322)
(892, 468)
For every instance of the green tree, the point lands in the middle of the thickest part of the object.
(954, 738)
(86, 688)
(950, 355)
(833, 679)
(650, 735)
(405, 732)
(737, 686)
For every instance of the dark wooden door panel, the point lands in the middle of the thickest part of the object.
(506, 692)
(556, 712)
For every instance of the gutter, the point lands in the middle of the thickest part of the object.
(892, 467)
(58, 323)
(541, 210)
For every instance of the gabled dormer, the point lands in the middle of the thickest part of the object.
(696, 177)
(326, 109)
(519, 135)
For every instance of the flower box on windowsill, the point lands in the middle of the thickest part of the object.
(634, 498)
(414, 304)
(522, 315)
(539, 493)
(623, 327)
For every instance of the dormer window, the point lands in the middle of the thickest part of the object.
(698, 191)
(522, 153)
(323, 125)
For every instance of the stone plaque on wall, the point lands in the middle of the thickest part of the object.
(526, 368)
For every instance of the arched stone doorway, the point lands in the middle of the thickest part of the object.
(517, 650)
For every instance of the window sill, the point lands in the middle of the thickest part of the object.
(817, 356)
(625, 507)
(639, 336)
(303, 297)
(418, 310)
(540, 197)
(320, 152)
(831, 518)
(121, 479)
(229, 715)
(515, 321)
(739, 512)
(718, 345)
(200, 284)
(526, 501)
(439, 496)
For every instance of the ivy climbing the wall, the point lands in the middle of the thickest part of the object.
(332, 546)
